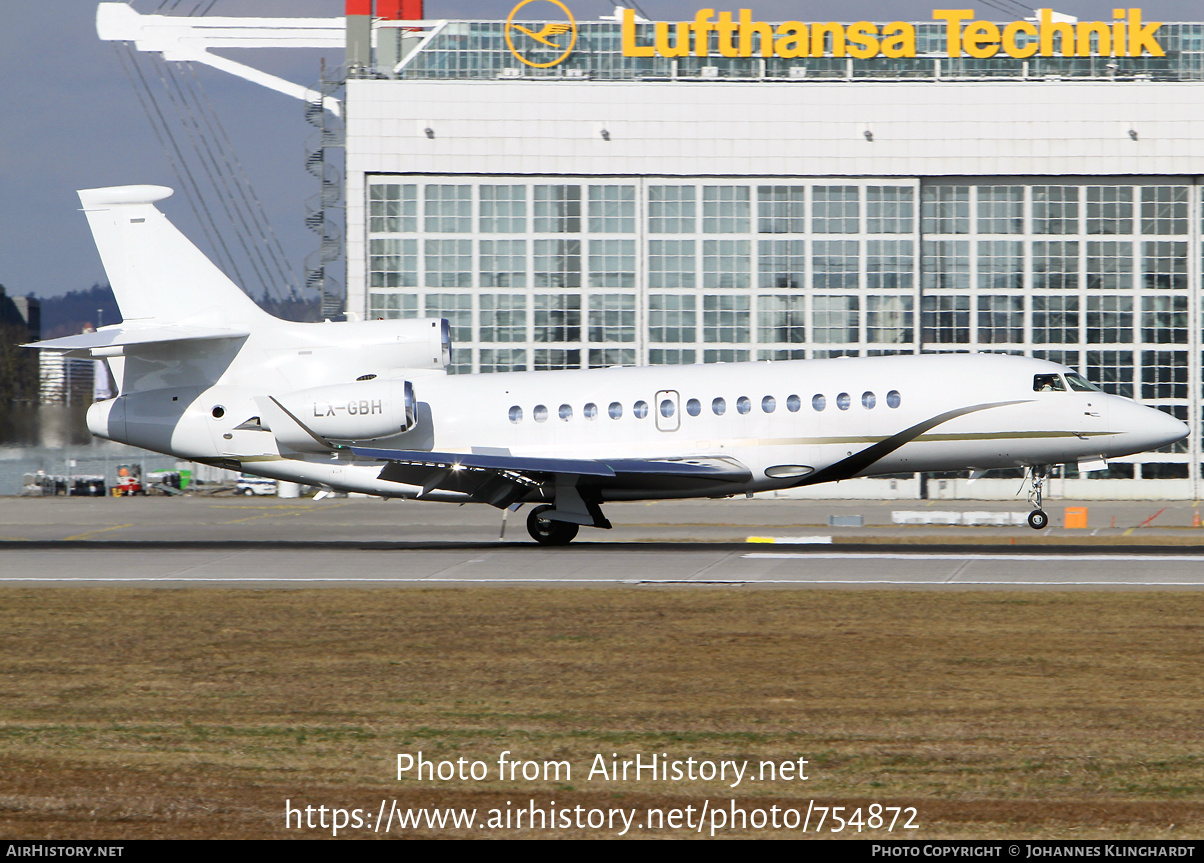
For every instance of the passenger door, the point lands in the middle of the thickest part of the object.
(668, 411)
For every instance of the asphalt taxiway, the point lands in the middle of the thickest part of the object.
(267, 542)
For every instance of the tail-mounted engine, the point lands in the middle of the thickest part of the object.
(359, 411)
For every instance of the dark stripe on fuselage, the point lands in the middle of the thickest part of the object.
(850, 467)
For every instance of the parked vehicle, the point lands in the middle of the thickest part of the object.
(252, 485)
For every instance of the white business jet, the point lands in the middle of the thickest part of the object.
(206, 375)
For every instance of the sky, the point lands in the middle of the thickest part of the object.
(74, 120)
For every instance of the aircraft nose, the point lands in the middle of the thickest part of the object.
(1157, 428)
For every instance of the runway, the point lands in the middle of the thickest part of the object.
(267, 543)
(635, 565)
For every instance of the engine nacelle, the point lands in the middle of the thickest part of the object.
(363, 410)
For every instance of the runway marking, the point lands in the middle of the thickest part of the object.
(88, 533)
(793, 540)
(630, 582)
(970, 556)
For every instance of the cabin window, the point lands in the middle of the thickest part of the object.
(793, 403)
(590, 411)
(1080, 384)
(843, 401)
(818, 402)
(1048, 384)
(615, 410)
(566, 412)
(769, 404)
(693, 407)
(540, 414)
(719, 406)
(743, 404)
(640, 409)
(516, 414)
(893, 399)
(667, 408)
(868, 400)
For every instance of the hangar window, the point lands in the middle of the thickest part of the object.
(612, 209)
(448, 209)
(1055, 209)
(557, 209)
(889, 209)
(781, 210)
(672, 317)
(835, 209)
(392, 208)
(503, 209)
(671, 209)
(725, 210)
(1109, 209)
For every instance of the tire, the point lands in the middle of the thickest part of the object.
(1038, 520)
(549, 532)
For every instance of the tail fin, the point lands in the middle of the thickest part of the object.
(156, 273)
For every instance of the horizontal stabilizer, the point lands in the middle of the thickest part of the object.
(122, 335)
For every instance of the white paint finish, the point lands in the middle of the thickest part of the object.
(791, 129)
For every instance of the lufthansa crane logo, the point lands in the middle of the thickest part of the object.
(558, 36)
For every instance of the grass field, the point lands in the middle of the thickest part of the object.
(197, 713)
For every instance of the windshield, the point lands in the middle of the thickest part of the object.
(1080, 384)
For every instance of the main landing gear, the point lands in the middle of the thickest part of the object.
(1037, 519)
(547, 532)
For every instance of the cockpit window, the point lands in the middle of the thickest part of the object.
(1048, 384)
(1080, 384)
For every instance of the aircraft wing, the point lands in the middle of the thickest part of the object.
(501, 479)
(134, 334)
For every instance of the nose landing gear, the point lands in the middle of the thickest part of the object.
(1037, 519)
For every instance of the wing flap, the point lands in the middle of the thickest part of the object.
(504, 479)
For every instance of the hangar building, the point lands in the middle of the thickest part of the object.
(570, 194)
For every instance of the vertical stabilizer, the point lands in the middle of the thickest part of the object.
(155, 271)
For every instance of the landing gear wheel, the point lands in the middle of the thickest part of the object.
(1037, 519)
(547, 532)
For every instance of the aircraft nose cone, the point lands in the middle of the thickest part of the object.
(1160, 428)
(1173, 429)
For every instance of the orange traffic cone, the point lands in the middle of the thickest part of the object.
(1195, 519)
